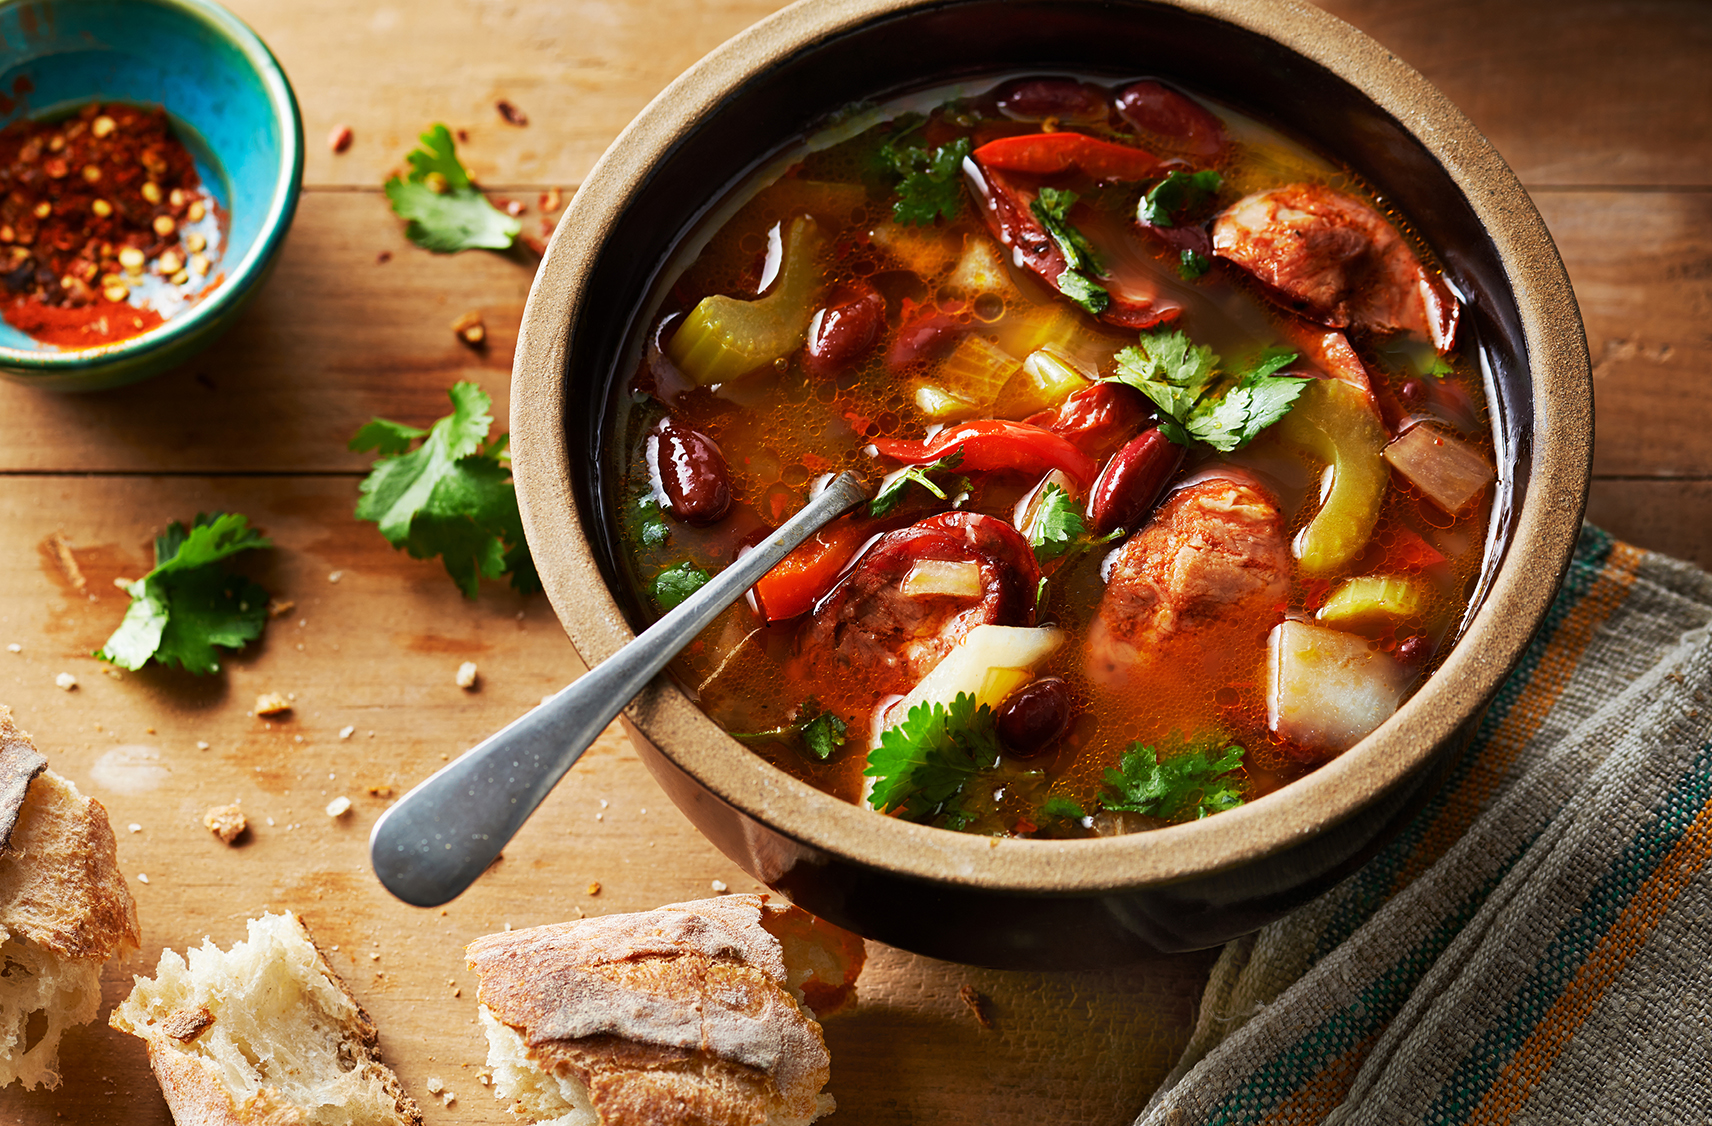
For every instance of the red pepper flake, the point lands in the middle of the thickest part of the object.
(73, 247)
(512, 115)
(978, 1005)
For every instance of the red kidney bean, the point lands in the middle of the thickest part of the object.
(1414, 650)
(1035, 98)
(1126, 489)
(692, 472)
(1035, 716)
(929, 335)
(1098, 420)
(845, 330)
(1157, 109)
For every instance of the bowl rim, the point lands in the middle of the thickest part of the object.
(249, 271)
(1546, 525)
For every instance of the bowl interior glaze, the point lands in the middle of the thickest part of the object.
(229, 103)
(1283, 63)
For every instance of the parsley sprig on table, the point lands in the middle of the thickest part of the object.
(1177, 375)
(931, 183)
(189, 603)
(1182, 786)
(451, 496)
(921, 765)
(1081, 264)
(444, 209)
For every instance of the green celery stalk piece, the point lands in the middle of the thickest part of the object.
(1336, 423)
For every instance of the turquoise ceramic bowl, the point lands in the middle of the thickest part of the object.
(232, 107)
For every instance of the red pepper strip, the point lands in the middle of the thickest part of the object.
(1043, 154)
(798, 580)
(994, 443)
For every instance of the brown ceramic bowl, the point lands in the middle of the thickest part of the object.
(1054, 904)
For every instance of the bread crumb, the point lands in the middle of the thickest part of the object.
(434, 1085)
(448, 1098)
(548, 698)
(227, 822)
(335, 576)
(134, 827)
(339, 806)
(467, 675)
(14, 648)
(142, 877)
(977, 1005)
(374, 956)
(380, 791)
(347, 732)
(270, 822)
(594, 887)
(66, 681)
(280, 607)
(202, 744)
(272, 703)
(719, 886)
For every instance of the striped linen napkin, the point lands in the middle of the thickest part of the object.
(1537, 946)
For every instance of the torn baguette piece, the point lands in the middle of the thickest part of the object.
(64, 909)
(265, 1033)
(695, 1014)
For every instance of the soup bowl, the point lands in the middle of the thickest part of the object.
(1034, 903)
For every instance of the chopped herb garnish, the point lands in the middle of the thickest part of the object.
(1081, 264)
(187, 605)
(677, 583)
(1177, 196)
(921, 765)
(451, 496)
(932, 179)
(445, 210)
(1060, 806)
(652, 529)
(821, 734)
(892, 489)
(1057, 528)
(1176, 375)
(1184, 786)
(1191, 266)
(1083, 292)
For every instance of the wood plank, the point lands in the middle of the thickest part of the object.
(580, 72)
(1674, 517)
(1586, 92)
(1641, 265)
(377, 651)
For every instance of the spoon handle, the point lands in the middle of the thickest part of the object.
(435, 841)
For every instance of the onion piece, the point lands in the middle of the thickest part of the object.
(954, 577)
(970, 668)
(1451, 472)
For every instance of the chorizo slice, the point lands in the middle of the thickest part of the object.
(1212, 569)
(1337, 261)
(868, 636)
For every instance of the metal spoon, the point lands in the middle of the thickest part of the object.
(441, 835)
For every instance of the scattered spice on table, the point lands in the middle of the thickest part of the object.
(104, 227)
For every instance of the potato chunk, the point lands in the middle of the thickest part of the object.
(1326, 690)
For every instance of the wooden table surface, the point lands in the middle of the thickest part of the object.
(1604, 108)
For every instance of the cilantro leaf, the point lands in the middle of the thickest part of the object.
(444, 210)
(1057, 528)
(186, 606)
(675, 584)
(1257, 401)
(932, 180)
(1168, 369)
(1191, 266)
(824, 734)
(1081, 264)
(922, 764)
(1184, 786)
(1083, 292)
(450, 496)
(653, 529)
(1060, 806)
(892, 489)
(1175, 196)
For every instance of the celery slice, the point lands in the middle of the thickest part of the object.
(1047, 377)
(725, 338)
(1376, 600)
(976, 370)
(940, 405)
(1337, 424)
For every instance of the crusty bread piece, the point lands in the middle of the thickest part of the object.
(697, 1014)
(263, 1034)
(64, 909)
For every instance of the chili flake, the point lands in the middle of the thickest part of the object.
(95, 211)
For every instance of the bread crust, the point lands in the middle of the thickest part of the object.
(682, 1016)
(20, 762)
(60, 885)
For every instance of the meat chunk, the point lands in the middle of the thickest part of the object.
(1336, 261)
(1212, 568)
(869, 638)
